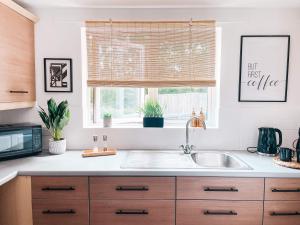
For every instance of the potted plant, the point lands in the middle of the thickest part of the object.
(57, 118)
(107, 120)
(153, 114)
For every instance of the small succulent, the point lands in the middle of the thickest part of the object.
(107, 115)
(152, 109)
(57, 118)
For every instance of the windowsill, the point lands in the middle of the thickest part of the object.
(140, 126)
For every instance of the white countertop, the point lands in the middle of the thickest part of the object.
(72, 164)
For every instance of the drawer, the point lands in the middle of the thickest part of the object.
(220, 188)
(208, 212)
(129, 212)
(132, 188)
(56, 211)
(60, 187)
(282, 213)
(282, 189)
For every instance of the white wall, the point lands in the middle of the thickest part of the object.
(58, 35)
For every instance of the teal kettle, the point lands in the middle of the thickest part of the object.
(267, 141)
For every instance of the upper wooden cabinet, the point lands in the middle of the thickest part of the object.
(17, 60)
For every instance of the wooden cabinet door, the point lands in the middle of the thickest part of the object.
(282, 213)
(282, 189)
(220, 188)
(17, 72)
(209, 212)
(132, 212)
(132, 188)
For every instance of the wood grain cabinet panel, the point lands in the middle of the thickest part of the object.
(132, 188)
(282, 213)
(60, 212)
(60, 188)
(282, 189)
(132, 212)
(16, 57)
(209, 212)
(220, 188)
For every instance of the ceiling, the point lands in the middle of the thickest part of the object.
(160, 3)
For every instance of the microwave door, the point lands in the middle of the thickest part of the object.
(5, 143)
(17, 142)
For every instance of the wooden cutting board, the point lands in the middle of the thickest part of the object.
(100, 152)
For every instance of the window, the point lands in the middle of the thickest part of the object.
(174, 63)
(124, 104)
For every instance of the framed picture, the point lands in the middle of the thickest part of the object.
(264, 67)
(58, 75)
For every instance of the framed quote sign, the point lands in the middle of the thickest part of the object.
(264, 67)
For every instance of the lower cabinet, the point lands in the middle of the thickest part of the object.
(211, 212)
(282, 213)
(60, 211)
(130, 212)
(165, 201)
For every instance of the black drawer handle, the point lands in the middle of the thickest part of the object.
(285, 190)
(19, 92)
(67, 211)
(132, 212)
(230, 189)
(226, 213)
(132, 188)
(285, 213)
(67, 188)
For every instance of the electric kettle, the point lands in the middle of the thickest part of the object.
(267, 142)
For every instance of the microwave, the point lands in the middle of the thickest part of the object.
(19, 140)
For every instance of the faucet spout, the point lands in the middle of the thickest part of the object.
(187, 148)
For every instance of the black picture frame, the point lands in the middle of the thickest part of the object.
(287, 66)
(60, 89)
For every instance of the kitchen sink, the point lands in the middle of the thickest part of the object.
(218, 160)
(153, 159)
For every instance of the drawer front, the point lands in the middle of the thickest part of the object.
(66, 212)
(220, 188)
(282, 213)
(60, 187)
(205, 212)
(132, 188)
(282, 189)
(129, 212)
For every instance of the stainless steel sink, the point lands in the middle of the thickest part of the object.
(218, 160)
(152, 159)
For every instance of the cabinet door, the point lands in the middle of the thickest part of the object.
(60, 188)
(282, 213)
(60, 212)
(282, 189)
(132, 188)
(208, 212)
(220, 188)
(17, 72)
(132, 212)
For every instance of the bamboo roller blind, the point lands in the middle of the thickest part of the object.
(151, 54)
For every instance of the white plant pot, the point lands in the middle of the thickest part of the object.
(107, 122)
(57, 147)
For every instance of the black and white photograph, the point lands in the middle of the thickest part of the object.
(58, 75)
(264, 65)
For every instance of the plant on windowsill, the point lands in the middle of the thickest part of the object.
(153, 114)
(107, 120)
(57, 118)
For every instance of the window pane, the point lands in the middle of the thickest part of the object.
(120, 102)
(179, 102)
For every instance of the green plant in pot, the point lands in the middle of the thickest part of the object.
(107, 119)
(55, 120)
(153, 114)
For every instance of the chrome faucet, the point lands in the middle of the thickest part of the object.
(187, 148)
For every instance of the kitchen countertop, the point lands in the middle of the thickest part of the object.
(72, 164)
